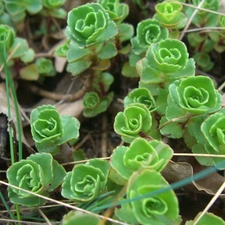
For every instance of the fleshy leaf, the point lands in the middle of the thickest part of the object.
(140, 95)
(135, 119)
(79, 66)
(159, 209)
(89, 24)
(126, 31)
(208, 218)
(140, 154)
(29, 72)
(79, 218)
(107, 52)
(83, 183)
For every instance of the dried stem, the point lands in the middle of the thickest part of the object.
(59, 97)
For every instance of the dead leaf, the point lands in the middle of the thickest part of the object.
(74, 109)
(60, 63)
(176, 171)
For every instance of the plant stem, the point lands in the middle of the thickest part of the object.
(9, 85)
(6, 206)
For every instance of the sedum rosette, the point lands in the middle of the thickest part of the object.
(205, 135)
(39, 174)
(116, 10)
(193, 95)
(50, 130)
(187, 98)
(140, 154)
(86, 181)
(169, 14)
(158, 209)
(141, 95)
(135, 119)
(148, 31)
(17, 9)
(165, 60)
(89, 24)
(94, 105)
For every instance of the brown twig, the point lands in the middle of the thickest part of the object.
(104, 136)
(66, 97)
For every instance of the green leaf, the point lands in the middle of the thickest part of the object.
(168, 55)
(28, 56)
(165, 61)
(108, 51)
(79, 218)
(203, 61)
(79, 66)
(44, 160)
(15, 7)
(33, 6)
(171, 129)
(58, 175)
(213, 130)
(208, 218)
(23, 51)
(116, 178)
(79, 155)
(200, 149)
(71, 128)
(45, 67)
(100, 164)
(117, 164)
(75, 53)
(52, 4)
(126, 31)
(61, 50)
(58, 13)
(129, 71)
(9, 39)
(126, 214)
(103, 82)
(29, 72)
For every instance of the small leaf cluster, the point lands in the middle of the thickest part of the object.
(16, 47)
(17, 10)
(170, 102)
(86, 181)
(95, 33)
(39, 174)
(50, 130)
(203, 42)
